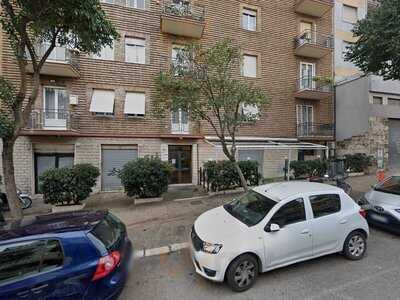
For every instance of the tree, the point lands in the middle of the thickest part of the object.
(75, 24)
(204, 82)
(377, 50)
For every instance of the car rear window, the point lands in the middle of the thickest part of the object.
(109, 231)
(323, 205)
(24, 259)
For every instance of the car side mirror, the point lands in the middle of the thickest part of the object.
(272, 228)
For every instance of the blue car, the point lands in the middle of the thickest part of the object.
(73, 255)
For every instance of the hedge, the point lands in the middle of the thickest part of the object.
(146, 177)
(68, 185)
(357, 162)
(302, 169)
(222, 175)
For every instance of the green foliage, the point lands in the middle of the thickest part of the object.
(7, 126)
(357, 162)
(145, 177)
(222, 175)
(204, 82)
(7, 93)
(377, 50)
(302, 169)
(68, 185)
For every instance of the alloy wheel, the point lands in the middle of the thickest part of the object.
(245, 273)
(356, 246)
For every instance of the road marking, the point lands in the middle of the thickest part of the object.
(160, 250)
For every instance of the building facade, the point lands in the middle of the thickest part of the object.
(367, 107)
(98, 108)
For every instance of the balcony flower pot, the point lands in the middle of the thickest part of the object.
(66, 208)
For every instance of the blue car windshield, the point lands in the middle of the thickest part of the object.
(251, 208)
(392, 186)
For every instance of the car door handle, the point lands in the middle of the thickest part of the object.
(38, 289)
(305, 231)
(344, 221)
(23, 294)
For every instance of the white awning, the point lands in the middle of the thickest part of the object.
(268, 143)
(102, 101)
(135, 103)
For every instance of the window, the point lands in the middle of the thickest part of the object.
(135, 104)
(391, 186)
(250, 110)
(307, 74)
(350, 14)
(323, 205)
(102, 102)
(135, 50)
(377, 100)
(109, 231)
(106, 53)
(292, 212)
(249, 19)
(24, 259)
(136, 4)
(393, 101)
(108, 1)
(345, 48)
(180, 121)
(249, 66)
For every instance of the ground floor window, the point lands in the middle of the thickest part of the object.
(257, 155)
(303, 154)
(46, 161)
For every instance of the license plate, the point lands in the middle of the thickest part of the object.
(379, 218)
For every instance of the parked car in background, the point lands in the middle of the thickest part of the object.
(275, 225)
(382, 204)
(73, 255)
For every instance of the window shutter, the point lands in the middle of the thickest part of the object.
(102, 101)
(350, 14)
(135, 50)
(250, 66)
(135, 104)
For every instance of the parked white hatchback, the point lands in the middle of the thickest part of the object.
(275, 225)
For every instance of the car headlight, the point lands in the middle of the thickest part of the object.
(211, 248)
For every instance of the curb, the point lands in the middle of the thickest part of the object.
(160, 250)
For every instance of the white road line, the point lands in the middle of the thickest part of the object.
(160, 250)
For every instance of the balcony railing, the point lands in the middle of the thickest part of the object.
(311, 87)
(52, 119)
(62, 62)
(315, 8)
(311, 43)
(315, 130)
(180, 17)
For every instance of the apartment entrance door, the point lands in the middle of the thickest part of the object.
(180, 156)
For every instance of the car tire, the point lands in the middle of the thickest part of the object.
(242, 273)
(355, 245)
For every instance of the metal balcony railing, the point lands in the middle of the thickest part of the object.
(315, 130)
(52, 119)
(58, 55)
(313, 37)
(314, 83)
(184, 9)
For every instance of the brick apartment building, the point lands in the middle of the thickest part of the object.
(97, 109)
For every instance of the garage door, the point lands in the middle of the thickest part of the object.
(114, 159)
(394, 144)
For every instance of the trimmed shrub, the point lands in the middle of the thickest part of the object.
(222, 175)
(302, 169)
(357, 162)
(146, 177)
(68, 185)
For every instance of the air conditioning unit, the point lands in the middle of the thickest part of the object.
(73, 99)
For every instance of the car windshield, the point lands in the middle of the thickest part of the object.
(251, 208)
(392, 186)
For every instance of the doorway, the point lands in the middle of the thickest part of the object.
(180, 156)
(55, 108)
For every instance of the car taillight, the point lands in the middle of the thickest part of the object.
(106, 265)
(363, 213)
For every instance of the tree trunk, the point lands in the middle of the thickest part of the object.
(241, 176)
(9, 179)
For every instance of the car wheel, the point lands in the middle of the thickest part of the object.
(355, 246)
(242, 273)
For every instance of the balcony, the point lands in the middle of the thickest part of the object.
(52, 120)
(62, 62)
(315, 8)
(182, 18)
(311, 43)
(313, 88)
(315, 131)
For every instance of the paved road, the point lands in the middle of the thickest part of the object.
(377, 276)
